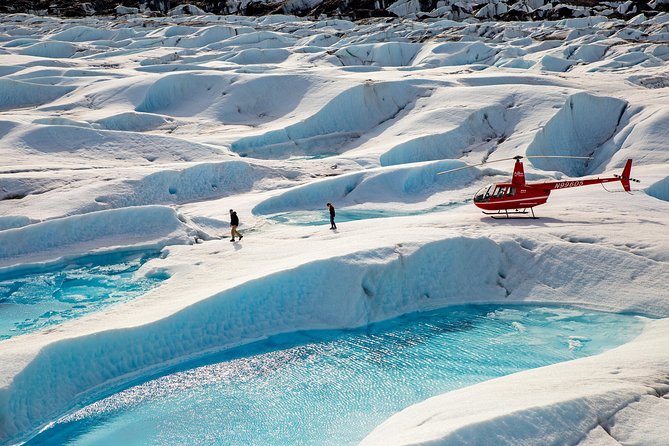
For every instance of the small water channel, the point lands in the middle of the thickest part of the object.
(334, 387)
(32, 300)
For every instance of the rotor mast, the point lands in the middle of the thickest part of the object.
(518, 178)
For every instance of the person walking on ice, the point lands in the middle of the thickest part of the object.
(234, 222)
(332, 216)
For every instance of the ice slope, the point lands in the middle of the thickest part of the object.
(199, 182)
(403, 184)
(100, 145)
(55, 50)
(254, 100)
(352, 113)
(140, 226)
(583, 124)
(449, 124)
(17, 94)
(488, 124)
(182, 94)
(660, 189)
(134, 122)
(127, 133)
(394, 54)
(649, 130)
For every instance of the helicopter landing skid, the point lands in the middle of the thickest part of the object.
(503, 214)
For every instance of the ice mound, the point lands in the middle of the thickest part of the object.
(583, 124)
(154, 65)
(55, 50)
(456, 53)
(318, 40)
(134, 122)
(344, 118)
(252, 56)
(199, 182)
(659, 190)
(406, 183)
(632, 59)
(6, 126)
(311, 196)
(648, 137)
(256, 39)
(553, 63)
(207, 35)
(183, 94)
(14, 221)
(80, 233)
(650, 81)
(387, 54)
(103, 144)
(17, 187)
(61, 121)
(482, 126)
(18, 94)
(170, 30)
(588, 53)
(21, 42)
(30, 74)
(83, 34)
(7, 70)
(257, 99)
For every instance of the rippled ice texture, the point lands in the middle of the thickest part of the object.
(333, 387)
(317, 218)
(35, 300)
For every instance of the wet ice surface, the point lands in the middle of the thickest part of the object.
(317, 218)
(35, 300)
(334, 387)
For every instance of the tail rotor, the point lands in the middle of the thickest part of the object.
(625, 177)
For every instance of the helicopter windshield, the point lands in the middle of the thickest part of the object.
(494, 191)
(484, 193)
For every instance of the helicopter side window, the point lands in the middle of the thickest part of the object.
(499, 192)
(511, 192)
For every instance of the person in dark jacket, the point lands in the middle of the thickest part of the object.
(332, 216)
(234, 222)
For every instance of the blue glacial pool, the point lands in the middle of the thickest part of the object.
(318, 218)
(34, 300)
(334, 387)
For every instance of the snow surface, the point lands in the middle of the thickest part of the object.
(141, 132)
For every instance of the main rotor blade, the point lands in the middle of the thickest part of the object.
(514, 158)
(473, 165)
(562, 156)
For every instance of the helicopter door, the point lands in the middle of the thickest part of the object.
(504, 191)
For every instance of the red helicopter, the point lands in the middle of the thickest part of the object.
(515, 198)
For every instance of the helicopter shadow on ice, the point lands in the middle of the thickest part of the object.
(543, 221)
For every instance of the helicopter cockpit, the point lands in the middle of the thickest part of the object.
(493, 191)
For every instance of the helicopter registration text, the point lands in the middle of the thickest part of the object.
(564, 184)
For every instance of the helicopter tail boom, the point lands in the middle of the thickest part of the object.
(624, 179)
